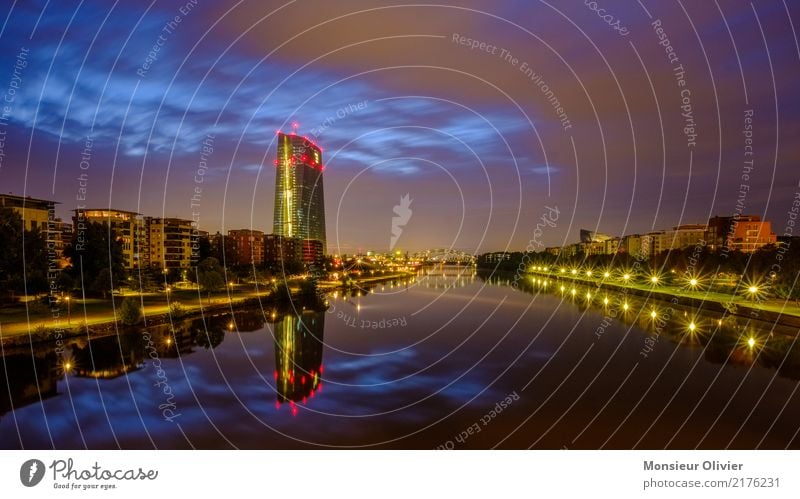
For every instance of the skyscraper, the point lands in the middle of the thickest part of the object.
(299, 198)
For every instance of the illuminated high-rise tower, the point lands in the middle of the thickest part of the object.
(299, 198)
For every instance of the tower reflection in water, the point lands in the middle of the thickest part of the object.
(298, 357)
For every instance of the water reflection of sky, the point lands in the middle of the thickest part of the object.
(421, 384)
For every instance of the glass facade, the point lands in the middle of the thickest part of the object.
(299, 195)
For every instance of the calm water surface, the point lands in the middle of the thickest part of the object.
(451, 359)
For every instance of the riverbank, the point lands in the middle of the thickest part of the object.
(95, 318)
(776, 311)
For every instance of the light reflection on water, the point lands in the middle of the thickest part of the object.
(413, 364)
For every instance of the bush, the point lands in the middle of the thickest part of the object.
(308, 288)
(40, 333)
(130, 311)
(176, 310)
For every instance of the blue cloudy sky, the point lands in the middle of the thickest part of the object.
(400, 107)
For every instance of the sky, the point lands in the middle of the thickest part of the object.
(617, 116)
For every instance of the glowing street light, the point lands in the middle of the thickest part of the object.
(574, 271)
(606, 274)
(693, 282)
(588, 273)
(751, 342)
(752, 288)
(654, 279)
(605, 301)
(625, 306)
(653, 314)
(692, 326)
(626, 277)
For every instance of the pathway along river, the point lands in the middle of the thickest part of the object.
(451, 359)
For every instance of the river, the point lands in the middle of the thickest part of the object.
(449, 359)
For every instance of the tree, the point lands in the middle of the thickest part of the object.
(35, 262)
(130, 312)
(102, 283)
(10, 241)
(171, 276)
(65, 282)
(21, 271)
(210, 275)
(98, 251)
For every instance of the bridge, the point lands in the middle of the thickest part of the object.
(449, 257)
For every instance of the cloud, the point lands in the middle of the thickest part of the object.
(543, 170)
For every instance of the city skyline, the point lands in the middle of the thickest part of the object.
(480, 171)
